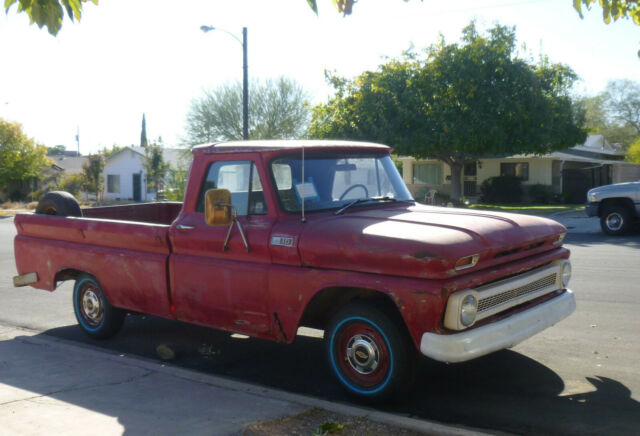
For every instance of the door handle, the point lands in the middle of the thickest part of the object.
(184, 227)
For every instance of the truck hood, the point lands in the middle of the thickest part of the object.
(422, 241)
(621, 187)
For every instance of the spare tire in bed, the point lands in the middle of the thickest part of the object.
(59, 203)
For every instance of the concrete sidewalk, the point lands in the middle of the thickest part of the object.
(52, 386)
(577, 221)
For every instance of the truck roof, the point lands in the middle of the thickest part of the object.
(281, 144)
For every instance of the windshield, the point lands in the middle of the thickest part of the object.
(331, 182)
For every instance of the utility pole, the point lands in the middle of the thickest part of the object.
(245, 76)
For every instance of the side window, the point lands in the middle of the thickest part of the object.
(241, 178)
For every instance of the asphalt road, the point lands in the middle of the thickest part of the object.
(580, 377)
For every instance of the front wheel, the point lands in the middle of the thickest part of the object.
(369, 352)
(97, 317)
(616, 220)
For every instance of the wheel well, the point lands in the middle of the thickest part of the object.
(328, 301)
(67, 274)
(622, 202)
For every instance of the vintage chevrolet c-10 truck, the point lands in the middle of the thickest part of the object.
(274, 235)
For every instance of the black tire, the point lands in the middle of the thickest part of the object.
(59, 203)
(616, 220)
(96, 316)
(370, 352)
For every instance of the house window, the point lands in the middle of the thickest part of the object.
(517, 169)
(113, 183)
(427, 174)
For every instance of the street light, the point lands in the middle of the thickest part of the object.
(245, 76)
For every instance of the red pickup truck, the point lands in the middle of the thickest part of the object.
(274, 235)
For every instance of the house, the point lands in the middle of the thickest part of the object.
(570, 173)
(125, 176)
(70, 165)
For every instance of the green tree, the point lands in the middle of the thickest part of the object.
(73, 183)
(459, 103)
(612, 9)
(21, 160)
(143, 133)
(277, 110)
(176, 181)
(108, 152)
(155, 167)
(92, 175)
(622, 100)
(615, 112)
(57, 150)
(49, 13)
(633, 152)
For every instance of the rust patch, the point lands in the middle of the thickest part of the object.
(424, 254)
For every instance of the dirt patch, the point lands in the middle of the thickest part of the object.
(321, 422)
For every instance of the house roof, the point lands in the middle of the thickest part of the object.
(596, 149)
(170, 155)
(599, 144)
(71, 165)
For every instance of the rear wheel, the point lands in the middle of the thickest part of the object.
(615, 220)
(97, 317)
(369, 352)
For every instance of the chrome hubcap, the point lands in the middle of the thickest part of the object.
(614, 221)
(92, 307)
(363, 354)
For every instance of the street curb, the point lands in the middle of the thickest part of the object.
(408, 423)
(569, 212)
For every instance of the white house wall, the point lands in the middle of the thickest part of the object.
(126, 164)
(539, 169)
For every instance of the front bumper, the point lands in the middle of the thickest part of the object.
(467, 345)
(591, 209)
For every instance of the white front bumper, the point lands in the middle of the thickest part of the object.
(467, 345)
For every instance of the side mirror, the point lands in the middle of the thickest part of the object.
(217, 207)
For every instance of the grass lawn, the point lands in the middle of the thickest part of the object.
(529, 209)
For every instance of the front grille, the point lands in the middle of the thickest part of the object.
(502, 295)
(505, 297)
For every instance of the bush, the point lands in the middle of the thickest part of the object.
(72, 183)
(502, 189)
(540, 194)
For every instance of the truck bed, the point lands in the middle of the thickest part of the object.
(125, 247)
(156, 213)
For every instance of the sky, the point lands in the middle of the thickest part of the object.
(126, 58)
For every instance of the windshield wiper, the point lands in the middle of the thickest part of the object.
(365, 200)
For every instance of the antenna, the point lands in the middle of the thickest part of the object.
(302, 196)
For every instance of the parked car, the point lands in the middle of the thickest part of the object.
(274, 235)
(617, 205)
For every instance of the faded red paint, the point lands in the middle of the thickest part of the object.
(405, 252)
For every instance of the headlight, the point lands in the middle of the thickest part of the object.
(468, 310)
(560, 238)
(591, 198)
(566, 273)
(461, 310)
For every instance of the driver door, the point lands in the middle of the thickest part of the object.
(220, 288)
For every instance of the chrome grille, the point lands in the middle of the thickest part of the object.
(516, 293)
